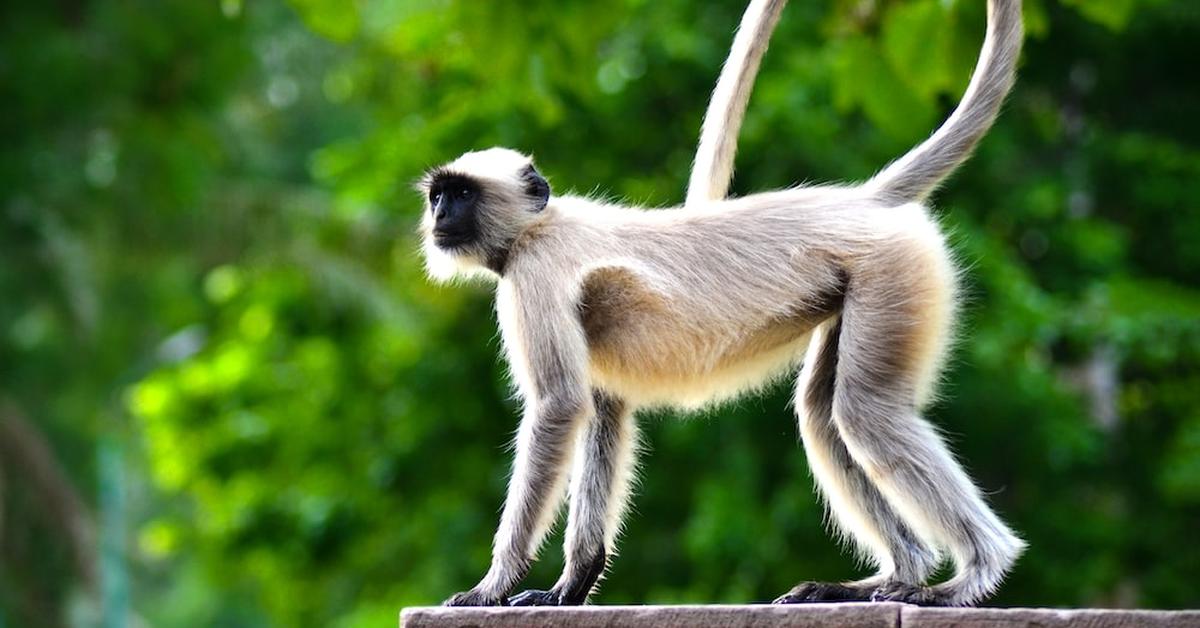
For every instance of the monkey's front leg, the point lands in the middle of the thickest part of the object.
(599, 487)
(544, 441)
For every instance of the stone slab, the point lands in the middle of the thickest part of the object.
(859, 615)
(918, 617)
(848, 615)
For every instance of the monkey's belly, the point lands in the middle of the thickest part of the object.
(640, 348)
(660, 376)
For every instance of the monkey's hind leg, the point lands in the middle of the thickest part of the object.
(855, 505)
(893, 329)
(600, 486)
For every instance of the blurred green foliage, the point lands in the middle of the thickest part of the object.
(207, 256)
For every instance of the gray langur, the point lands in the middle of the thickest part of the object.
(605, 309)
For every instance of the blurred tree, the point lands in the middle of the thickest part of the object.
(112, 155)
(205, 225)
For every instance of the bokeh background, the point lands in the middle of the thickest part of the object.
(228, 396)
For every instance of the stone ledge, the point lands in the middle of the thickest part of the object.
(918, 617)
(856, 615)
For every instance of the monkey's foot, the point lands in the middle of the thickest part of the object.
(534, 597)
(475, 598)
(911, 594)
(807, 592)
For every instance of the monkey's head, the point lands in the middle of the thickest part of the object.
(475, 207)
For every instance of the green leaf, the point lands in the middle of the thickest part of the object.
(916, 42)
(1180, 477)
(864, 80)
(1113, 14)
(1037, 22)
(335, 20)
(1149, 300)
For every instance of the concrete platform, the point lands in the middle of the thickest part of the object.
(856, 615)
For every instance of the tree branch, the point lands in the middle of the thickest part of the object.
(24, 447)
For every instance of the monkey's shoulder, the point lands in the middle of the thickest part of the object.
(606, 285)
(613, 296)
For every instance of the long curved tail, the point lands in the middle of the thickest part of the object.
(713, 168)
(917, 174)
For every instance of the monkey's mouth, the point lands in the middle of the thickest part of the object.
(450, 239)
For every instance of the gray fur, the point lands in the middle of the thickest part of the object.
(597, 483)
(599, 486)
(911, 178)
(915, 176)
(605, 309)
(713, 167)
(856, 507)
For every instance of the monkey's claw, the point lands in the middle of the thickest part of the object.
(534, 597)
(809, 592)
(910, 594)
(475, 598)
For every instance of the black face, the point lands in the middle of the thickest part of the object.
(453, 200)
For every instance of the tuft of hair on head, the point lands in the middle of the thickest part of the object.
(425, 181)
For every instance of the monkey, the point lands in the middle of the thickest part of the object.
(605, 309)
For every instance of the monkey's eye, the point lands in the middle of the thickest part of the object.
(464, 193)
(435, 196)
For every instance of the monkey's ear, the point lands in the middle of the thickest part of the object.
(536, 187)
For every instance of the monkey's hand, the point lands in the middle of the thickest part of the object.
(475, 598)
(534, 597)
